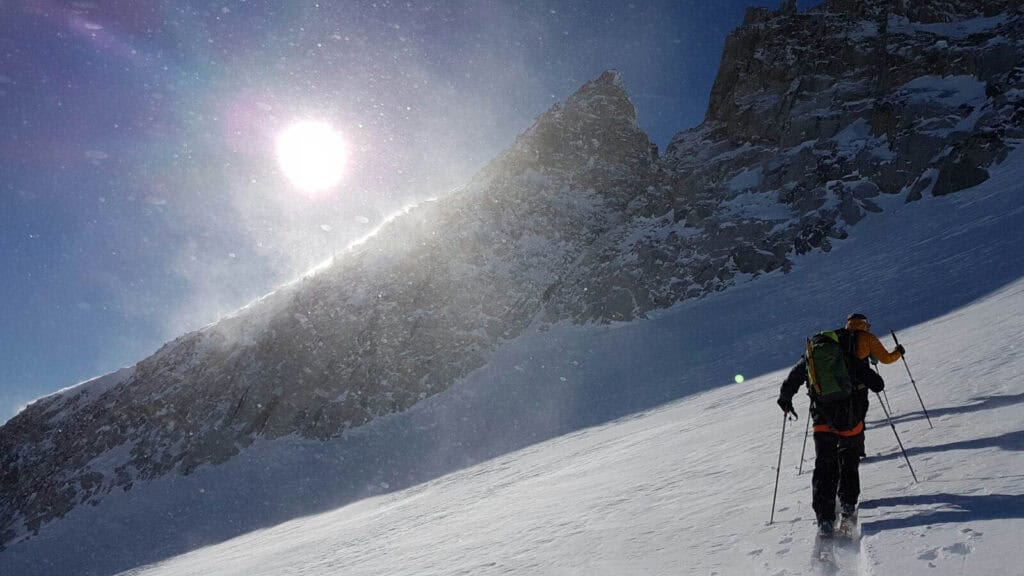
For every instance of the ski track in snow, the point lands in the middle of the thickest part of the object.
(616, 450)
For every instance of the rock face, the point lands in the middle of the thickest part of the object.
(814, 118)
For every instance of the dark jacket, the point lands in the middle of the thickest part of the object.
(846, 416)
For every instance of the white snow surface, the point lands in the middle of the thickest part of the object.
(621, 449)
(956, 30)
(760, 205)
(745, 180)
(950, 91)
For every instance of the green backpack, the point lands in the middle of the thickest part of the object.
(827, 377)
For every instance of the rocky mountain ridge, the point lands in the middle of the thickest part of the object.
(816, 120)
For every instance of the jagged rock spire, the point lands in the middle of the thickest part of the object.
(593, 135)
(604, 97)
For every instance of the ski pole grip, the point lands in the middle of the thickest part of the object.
(894, 338)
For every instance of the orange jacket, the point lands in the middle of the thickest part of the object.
(868, 344)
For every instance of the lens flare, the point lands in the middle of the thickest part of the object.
(312, 155)
(739, 378)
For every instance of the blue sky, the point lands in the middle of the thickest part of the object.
(140, 197)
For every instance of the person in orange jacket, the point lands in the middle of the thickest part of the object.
(864, 347)
(839, 427)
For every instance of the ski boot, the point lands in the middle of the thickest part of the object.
(848, 511)
(826, 528)
(848, 522)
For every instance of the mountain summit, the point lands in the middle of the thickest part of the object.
(593, 141)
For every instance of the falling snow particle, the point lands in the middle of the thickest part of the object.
(96, 156)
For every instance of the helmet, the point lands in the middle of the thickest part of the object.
(857, 321)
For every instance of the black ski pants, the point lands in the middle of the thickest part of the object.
(836, 463)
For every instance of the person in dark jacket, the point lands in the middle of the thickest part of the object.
(839, 426)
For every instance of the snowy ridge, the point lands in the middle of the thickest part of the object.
(560, 459)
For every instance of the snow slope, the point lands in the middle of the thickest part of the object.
(686, 488)
(617, 449)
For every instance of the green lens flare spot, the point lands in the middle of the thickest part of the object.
(739, 378)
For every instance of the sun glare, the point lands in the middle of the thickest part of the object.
(312, 155)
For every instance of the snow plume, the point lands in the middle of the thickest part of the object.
(244, 230)
(236, 229)
(213, 302)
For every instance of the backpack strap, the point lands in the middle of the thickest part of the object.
(812, 384)
(850, 348)
(848, 341)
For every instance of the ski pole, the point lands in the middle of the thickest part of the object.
(898, 441)
(907, 366)
(884, 395)
(803, 450)
(785, 417)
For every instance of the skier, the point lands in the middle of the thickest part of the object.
(839, 426)
(867, 348)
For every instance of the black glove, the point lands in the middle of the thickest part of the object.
(901, 349)
(786, 405)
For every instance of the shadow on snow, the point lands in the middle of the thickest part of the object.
(1008, 441)
(944, 508)
(978, 404)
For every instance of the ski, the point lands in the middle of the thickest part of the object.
(824, 556)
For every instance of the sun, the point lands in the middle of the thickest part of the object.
(312, 155)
